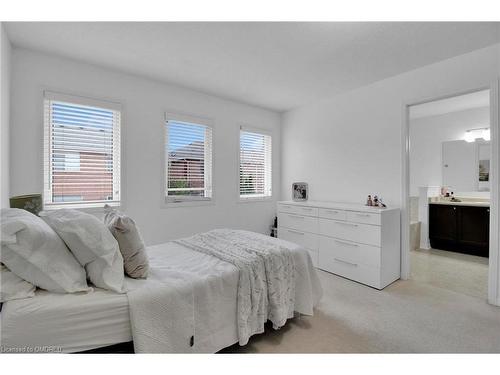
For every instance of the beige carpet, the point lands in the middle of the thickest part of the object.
(406, 317)
(461, 273)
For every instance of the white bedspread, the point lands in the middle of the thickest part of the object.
(162, 313)
(75, 322)
(266, 286)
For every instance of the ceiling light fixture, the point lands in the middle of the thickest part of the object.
(472, 134)
(469, 137)
(486, 134)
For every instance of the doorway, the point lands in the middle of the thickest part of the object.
(448, 194)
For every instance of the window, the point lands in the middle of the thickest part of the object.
(81, 152)
(188, 159)
(255, 164)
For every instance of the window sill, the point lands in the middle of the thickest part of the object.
(255, 199)
(91, 207)
(188, 203)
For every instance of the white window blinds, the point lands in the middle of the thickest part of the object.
(188, 159)
(255, 164)
(81, 152)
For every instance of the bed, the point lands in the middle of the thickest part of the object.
(80, 322)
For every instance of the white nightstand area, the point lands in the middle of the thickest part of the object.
(354, 241)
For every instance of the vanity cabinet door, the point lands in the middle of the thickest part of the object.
(473, 230)
(443, 224)
(463, 229)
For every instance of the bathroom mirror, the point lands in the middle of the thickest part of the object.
(466, 165)
(484, 156)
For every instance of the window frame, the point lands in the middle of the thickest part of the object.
(49, 96)
(186, 200)
(249, 199)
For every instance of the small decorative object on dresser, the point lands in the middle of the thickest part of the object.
(300, 191)
(351, 240)
(375, 202)
(369, 201)
(30, 202)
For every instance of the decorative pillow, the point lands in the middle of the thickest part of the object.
(13, 287)
(92, 244)
(123, 228)
(35, 253)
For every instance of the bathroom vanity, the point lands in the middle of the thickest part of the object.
(460, 226)
(463, 226)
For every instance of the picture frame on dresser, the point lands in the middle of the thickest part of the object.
(300, 191)
(354, 241)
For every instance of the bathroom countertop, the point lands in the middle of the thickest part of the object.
(462, 203)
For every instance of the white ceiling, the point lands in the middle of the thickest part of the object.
(273, 65)
(479, 99)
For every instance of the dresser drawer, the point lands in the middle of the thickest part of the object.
(298, 210)
(361, 233)
(352, 252)
(357, 272)
(363, 217)
(330, 213)
(307, 240)
(301, 223)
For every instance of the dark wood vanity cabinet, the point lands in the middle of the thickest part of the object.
(463, 229)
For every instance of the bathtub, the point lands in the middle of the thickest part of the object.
(414, 235)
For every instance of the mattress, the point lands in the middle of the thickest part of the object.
(65, 322)
(78, 322)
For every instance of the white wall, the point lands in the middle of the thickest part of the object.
(349, 146)
(144, 103)
(5, 70)
(426, 136)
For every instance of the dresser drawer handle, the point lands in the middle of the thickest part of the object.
(296, 232)
(347, 243)
(332, 211)
(296, 217)
(307, 209)
(345, 262)
(349, 224)
(364, 215)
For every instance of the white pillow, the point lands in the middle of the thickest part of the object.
(92, 244)
(13, 287)
(34, 252)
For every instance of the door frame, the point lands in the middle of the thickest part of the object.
(494, 252)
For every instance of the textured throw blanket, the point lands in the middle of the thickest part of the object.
(266, 287)
(162, 313)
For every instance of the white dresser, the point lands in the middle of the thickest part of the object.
(354, 241)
